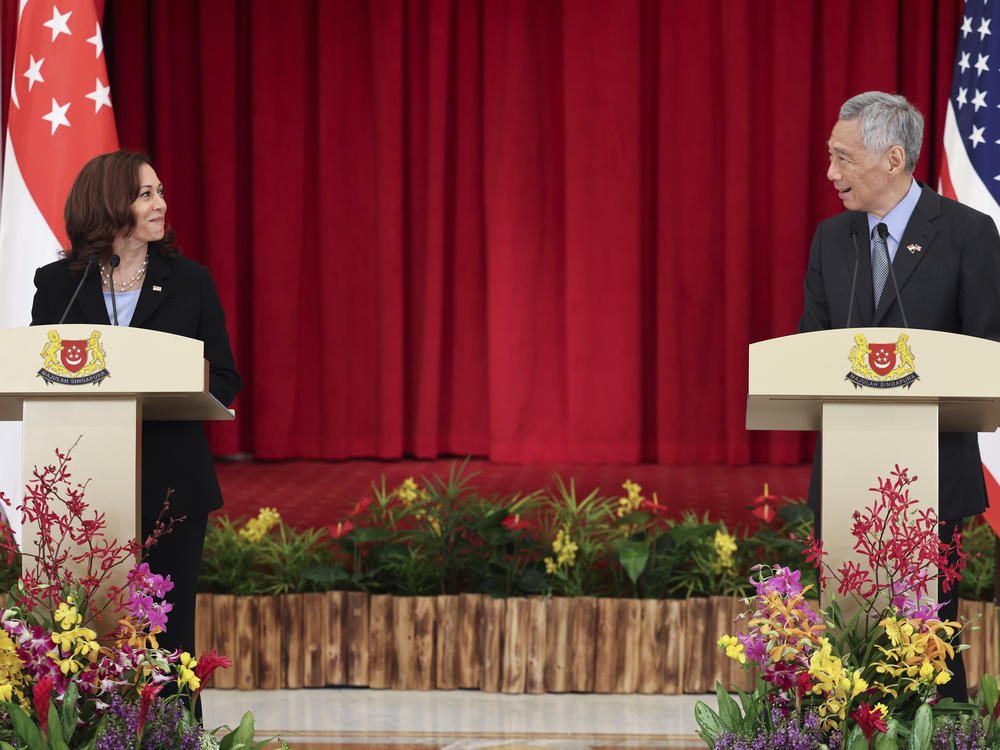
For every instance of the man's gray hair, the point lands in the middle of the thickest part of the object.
(887, 120)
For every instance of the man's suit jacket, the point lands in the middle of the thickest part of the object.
(178, 296)
(948, 270)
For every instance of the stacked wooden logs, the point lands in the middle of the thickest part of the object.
(517, 645)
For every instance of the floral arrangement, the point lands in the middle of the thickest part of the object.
(439, 535)
(61, 684)
(391, 542)
(868, 681)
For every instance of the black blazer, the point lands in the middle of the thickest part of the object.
(174, 454)
(952, 283)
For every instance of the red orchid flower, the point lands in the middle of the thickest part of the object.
(514, 522)
(653, 507)
(149, 692)
(803, 683)
(341, 529)
(42, 690)
(869, 719)
(206, 666)
(361, 505)
(762, 506)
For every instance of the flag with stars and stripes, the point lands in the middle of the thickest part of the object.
(59, 117)
(970, 169)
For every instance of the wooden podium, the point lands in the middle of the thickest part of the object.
(96, 384)
(880, 396)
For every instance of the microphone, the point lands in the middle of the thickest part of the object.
(113, 262)
(91, 262)
(854, 277)
(883, 232)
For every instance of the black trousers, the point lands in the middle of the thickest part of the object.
(178, 554)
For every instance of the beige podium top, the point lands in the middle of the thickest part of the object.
(167, 373)
(791, 377)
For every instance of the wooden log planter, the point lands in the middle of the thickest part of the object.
(517, 645)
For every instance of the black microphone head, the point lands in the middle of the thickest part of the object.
(882, 229)
(854, 230)
(91, 259)
(114, 261)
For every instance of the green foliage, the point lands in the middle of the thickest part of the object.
(10, 571)
(63, 723)
(782, 543)
(28, 733)
(986, 701)
(439, 536)
(242, 737)
(582, 531)
(979, 543)
(285, 555)
(274, 564)
(741, 718)
(503, 560)
(710, 724)
(227, 560)
(633, 555)
(923, 724)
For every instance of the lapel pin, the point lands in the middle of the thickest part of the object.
(160, 289)
(913, 249)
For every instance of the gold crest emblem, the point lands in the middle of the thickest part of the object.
(73, 362)
(888, 365)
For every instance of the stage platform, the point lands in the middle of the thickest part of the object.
(319, 493)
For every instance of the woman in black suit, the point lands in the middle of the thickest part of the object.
(116, 208)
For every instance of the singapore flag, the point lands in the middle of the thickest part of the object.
(60, 116)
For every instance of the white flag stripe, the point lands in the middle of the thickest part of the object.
(989, 446)
(26, 242)
(968, 186)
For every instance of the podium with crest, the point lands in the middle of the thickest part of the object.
(90, 387)
(880, 396)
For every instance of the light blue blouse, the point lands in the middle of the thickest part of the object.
(125, 302)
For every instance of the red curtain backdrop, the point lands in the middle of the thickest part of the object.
(526, 229)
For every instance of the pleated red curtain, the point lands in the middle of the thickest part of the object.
(531, 230)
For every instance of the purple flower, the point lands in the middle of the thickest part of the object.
(782, 675)
(909, 604)
(121, 727)
(786, 581)
(142, 578)
(166, 726)
(786, 735)
(145, 608)
(960, 733)
(754, 646)
(145, 589)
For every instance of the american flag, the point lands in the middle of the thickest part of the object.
(970, 170)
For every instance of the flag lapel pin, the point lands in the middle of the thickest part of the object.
(157, 288)
(913, 249)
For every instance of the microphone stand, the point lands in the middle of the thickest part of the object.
(113, 263)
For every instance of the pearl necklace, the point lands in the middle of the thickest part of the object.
(125, 285)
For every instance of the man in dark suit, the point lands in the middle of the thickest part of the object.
(946, 261)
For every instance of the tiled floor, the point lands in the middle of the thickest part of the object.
(353, 719)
